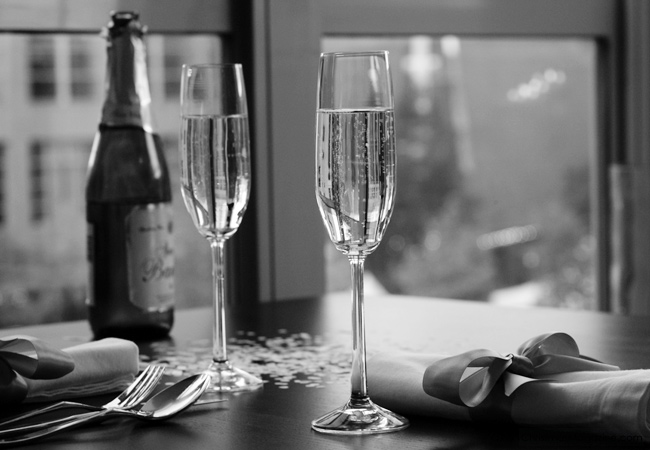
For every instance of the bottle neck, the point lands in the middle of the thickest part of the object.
(128, 100)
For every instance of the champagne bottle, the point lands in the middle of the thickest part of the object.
(128, 200)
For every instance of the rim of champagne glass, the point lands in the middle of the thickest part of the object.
(353, 53)
(212, 65)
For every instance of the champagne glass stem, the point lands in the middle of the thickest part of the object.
(219, 291)
(359, 378)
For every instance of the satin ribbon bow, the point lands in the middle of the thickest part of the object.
(27, 357)
(471, 379)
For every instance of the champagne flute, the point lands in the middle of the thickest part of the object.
(215, 184)
(355, 191)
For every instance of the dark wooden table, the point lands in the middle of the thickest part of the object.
(301, 348)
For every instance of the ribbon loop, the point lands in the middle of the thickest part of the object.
(470, 378)
(27, 357)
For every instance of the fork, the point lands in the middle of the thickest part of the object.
(164, 405)
(135, 393)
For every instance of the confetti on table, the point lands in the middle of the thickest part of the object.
(284, 360)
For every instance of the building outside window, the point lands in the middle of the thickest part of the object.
(43, 269)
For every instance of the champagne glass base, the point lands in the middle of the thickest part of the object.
(226, 378)
(360, 417)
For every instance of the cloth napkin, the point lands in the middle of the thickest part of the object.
(33, 371)
(547, 383)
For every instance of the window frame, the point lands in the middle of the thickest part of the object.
(630, 169)
(89, 16)
(3, 187)
(169, 17)
(287, 87)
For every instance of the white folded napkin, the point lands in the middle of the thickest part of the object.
(103, 366)
(613, 403)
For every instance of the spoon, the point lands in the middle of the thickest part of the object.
(164, 405)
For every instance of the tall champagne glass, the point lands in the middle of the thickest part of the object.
(215, 184)
(355, 191)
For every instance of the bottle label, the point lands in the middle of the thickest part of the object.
(150, 256)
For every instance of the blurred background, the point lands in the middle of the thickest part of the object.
(496, 140)
(523, 163)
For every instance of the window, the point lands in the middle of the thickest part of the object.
(289, 124)
(57, 161)
(41, 68)
(279, 43)
(43, 269)
(82, 80)
(37, 183)
(495, 141)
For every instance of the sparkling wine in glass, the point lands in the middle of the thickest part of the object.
(355, 191)
(215, 185)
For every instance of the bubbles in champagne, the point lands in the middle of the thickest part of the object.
(215, 171)
(355, 180)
